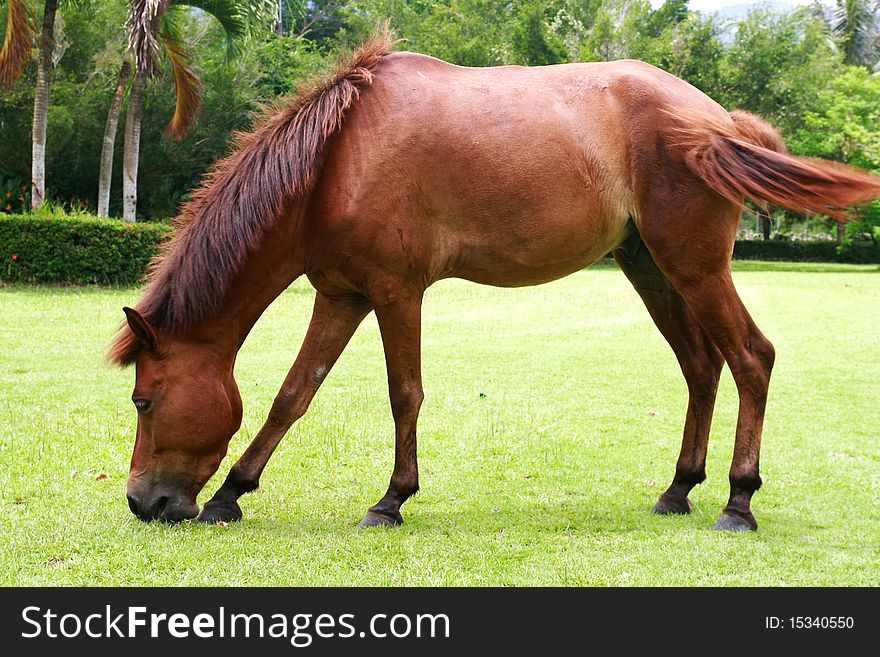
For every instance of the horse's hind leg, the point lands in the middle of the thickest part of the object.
(334, 321)
(400, 325)
(700, 362)
(691, 240)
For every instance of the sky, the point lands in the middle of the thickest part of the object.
(715, 5)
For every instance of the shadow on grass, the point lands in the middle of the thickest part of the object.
(525, 521)
(804, 267)
(776, 266)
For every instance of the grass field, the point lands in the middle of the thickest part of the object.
(552, 421)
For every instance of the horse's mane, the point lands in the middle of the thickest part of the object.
(241, 197)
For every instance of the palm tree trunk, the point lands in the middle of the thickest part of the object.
(131, 156)
(106, 175)
(766, 225)
(41, 106)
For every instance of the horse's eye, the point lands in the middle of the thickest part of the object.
(142, 405)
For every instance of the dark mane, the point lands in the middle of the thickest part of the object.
(240, 198)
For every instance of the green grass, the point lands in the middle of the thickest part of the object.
(552, 421)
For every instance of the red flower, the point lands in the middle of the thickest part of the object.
(14, 257)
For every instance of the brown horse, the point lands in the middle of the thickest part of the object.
(505, 176)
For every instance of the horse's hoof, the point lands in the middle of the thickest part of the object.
(215, 512)
(380, 519)
(736, 521)
(668, 504)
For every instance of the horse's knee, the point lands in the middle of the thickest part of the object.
(406, 400)
(287, 408)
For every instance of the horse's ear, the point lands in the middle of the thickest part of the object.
(142, 328)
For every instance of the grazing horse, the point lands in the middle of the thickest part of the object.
(401, 170)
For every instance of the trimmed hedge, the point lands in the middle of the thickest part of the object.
(76, 249)
(82, 250)
(864, 252)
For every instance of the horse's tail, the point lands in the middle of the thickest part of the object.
(747, 158)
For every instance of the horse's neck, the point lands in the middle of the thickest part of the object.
(265, 273)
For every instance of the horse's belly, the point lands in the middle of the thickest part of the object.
(515, 274)
(550, 252)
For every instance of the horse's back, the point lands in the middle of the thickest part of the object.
(504, 175)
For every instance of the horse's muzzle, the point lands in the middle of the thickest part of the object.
(161, 507)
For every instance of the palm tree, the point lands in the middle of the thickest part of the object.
(153, 29)
(14, 55)
(17, 42)
(41, 105)
(109, 144)
(855, 24)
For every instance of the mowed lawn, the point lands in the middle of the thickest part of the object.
(552, 421)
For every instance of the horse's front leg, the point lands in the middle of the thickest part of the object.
(334, 321)
(400, 325)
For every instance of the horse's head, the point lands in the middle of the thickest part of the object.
(188, 408)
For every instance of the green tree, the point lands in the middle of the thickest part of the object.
(627, 29)
(318, 21)
(464, 32)
(154, 26)
(16, 46)
(13, 56)
(845, 123)
(855, 24)
(845, 126)
(776, 66)
(532, 41)
(692, 50)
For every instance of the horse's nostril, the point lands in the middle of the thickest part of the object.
(133, 505)
(147, 510)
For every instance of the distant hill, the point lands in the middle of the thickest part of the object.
(733, 13)
(741, 10)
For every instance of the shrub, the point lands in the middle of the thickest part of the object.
(861, 251)
(14, 195)
(77, 249)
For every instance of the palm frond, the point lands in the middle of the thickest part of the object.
(229, 13)
(143, 16)
(187, 87)
(17, 43)
(855, 24)
(235, 16)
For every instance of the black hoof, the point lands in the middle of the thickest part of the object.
(736, 521)
(215, 512)
(668, 504)
(380, 519)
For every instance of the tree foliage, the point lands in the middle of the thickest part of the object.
(787, 67)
